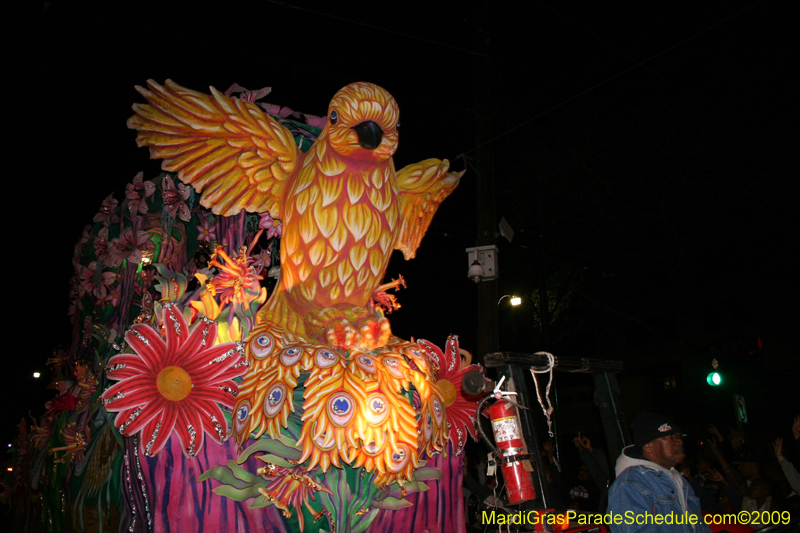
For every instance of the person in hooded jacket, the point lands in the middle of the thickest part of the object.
(648, 484)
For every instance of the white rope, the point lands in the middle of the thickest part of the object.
(548, 411)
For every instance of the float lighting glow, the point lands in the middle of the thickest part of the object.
(714, 379)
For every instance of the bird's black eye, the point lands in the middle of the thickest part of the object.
(334, 116)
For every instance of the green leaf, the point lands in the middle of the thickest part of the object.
(274, 459)
(233, 493)
(270, 446)
(391, 503)
(427, 473)
(365, 521)
(258, 504)
(244, 474)
(223, 475)
(411, 488)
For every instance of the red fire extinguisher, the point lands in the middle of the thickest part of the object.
(508, 437)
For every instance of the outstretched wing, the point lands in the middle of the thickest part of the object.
(226, 148)
(422, 187)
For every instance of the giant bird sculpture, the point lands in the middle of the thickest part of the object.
(343, 206)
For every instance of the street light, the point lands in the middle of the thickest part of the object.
(515, 300)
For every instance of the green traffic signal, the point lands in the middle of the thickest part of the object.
(714, 379)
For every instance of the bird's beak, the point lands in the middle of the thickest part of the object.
(369, 134)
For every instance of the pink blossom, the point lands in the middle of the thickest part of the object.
(271, 225)
(137, 194)
(126, 247)
(101, 246)
(77, 251)
(113, 296)
(94, 281)
(107, 212)
(246, 95)
(206, 232)
(262, 261)
(174, 200)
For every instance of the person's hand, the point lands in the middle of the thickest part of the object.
(712, 444)
(582, 443)
(796, 427)
(716, 477)
(714, 431)
(778, 447)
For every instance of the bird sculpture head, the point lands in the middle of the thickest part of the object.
(362, 122)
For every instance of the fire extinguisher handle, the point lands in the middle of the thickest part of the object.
(515, 404)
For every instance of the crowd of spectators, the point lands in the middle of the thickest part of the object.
(727, 473)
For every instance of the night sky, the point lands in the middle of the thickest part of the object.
(644, 157)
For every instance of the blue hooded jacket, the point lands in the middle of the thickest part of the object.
(644, 489)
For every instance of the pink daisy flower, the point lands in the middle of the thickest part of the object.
(459, 410)
(175, 385)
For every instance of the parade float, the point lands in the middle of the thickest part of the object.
(190, 399)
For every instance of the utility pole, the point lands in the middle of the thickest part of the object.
(484, 168)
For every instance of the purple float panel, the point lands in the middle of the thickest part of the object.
(178, 502)
(440, 509)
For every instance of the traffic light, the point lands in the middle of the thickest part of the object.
(714, 379)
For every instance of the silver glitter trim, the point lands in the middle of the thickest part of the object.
(131, 503)
(175, 323)
(117, 396)
(460, 441)
(218, 427)
(206, 326)
(133, 416)
(140, 477)
(120, 366)
(192, 437)
(454, 355)
(230, 353)
(244, 362)
(140, 337)
(149, 447)
(229, 390)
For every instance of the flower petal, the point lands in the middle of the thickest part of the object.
(221, 393)
(214, 361)
(130, 421)
(201, 337)
(156, 433)
(190, 428)
(177, 332)
(213, 420)
(146, 342)
(132, 392)
(124, 366)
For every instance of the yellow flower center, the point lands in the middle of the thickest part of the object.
(448, 391)
(174, 383)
